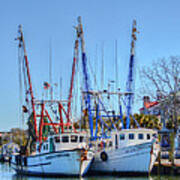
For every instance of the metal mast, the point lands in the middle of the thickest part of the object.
(130, 80)
(80, 35)
(72, 79)
(22, 45)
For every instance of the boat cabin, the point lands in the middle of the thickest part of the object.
(64, 141)
(128, 137)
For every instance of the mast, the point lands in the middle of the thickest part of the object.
(22, 45)
(72, 79)
(130, 81)
(80, 35)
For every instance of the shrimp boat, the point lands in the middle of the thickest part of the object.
(127, 151)
(130, 150)
(122, 150)
(54, 148)
(60, 155)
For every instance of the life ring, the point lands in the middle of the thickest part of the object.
(104, 156)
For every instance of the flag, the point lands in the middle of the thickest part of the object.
(25, 110)
(46, 85)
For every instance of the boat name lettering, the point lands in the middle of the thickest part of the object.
(59, 155)
(134, 149)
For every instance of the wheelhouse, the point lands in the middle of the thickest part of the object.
(63, 142)
(130, 136)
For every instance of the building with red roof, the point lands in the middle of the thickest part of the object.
(150, 107)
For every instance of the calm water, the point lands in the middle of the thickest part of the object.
(7, 173)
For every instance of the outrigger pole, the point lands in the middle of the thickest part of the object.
(130, 80)
(72, 79)
(22, 44)
(80, 35)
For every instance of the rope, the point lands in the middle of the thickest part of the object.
(20, 89)
(94, 75)
(76, 88)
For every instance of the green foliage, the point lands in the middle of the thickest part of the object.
(145, 121)
(148, 121)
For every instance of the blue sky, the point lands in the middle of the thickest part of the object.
(104, 22)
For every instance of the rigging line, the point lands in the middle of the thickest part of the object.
(60, 88)
(102, 68)
(116, 64)
(20, 93)
(106, 113)
(94, 75)
(96, 64)
(50, 70)
(25, 84)
(76, 89)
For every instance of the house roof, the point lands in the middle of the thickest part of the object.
(149, 105)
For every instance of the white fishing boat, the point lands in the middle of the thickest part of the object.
(60, 155)
(54, 146)
(128, 151)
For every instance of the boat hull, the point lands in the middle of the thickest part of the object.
(132, 159)
(60, 163)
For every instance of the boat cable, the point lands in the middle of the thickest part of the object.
(21, 116)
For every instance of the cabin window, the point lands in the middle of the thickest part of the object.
(46, 146)
(122, 136)
(65, 139)
(57, 139)
(81, 139)
(74, 138)
(148, 136)
(140, 136)
(165, 140)
(110, 144)
(131, 136)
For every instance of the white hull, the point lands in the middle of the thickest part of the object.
(134, 158)
(60, 163)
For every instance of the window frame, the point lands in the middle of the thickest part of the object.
(122, 137)
(76, 138)
(133, 136)
(64, 137)
(148, 136)
(140, 136)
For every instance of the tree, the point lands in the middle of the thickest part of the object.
(161, 81)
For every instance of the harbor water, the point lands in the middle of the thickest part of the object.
(7, 173)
